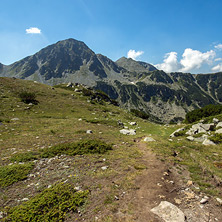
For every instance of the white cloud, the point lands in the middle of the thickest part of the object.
(194, 59)
(191, 61)
(33, 30)
(218, 59)
(170, 63)
(219, 46)
(133, 54)
(217, 68)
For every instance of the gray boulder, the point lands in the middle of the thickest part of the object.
(169, 212)
(219, 131)
(208, 126)
(215, 120)
(208, 142)
(178, 130)
(149, 139)
(219, 125)
(190, 138)
(128, 132)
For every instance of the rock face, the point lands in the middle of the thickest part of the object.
(169, 212)
(135, 85)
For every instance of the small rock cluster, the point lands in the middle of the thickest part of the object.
(205, 129)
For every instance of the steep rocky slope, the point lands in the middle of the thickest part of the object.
(135, 85)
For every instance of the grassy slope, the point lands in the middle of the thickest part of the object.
(55, 120)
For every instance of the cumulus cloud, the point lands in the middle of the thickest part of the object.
(219, 46)
(191, 60)
(133, 54)
(33, 30)
(218, 59)
(170, 63)
(194, 59)
(217, 68)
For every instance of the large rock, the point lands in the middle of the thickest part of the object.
(219, 125)
(219, 131)
(177, 131)
(208, 142)
(128, 131)
(149, 139)
(208, 126)
(169, 212)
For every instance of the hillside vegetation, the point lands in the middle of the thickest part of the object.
(68, 144)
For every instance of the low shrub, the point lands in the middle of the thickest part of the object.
(139, 113)
(24, 157)
(28, 97)
(50, 205)
(13, 173)
(77, 148)
(197, 114)
(180, 133)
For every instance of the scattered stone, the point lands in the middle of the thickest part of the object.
(219, 125)
(80, 119)
(133, 123)
(208, 126)
(219, 131)
(215, 120)
(208, 142)
(149, 139)
(49, 186)
(219, 200)
(15, 119)
(128, 132)
(116, 198)
(69, 84)
(178, 130)
(77, 188)
(190, 138)
(189, 195)
(189, 183)
(89, 131)
(1, 214)
(169, 212)
(25, 199)
(204, 200)
(177, 201)
(104, 167)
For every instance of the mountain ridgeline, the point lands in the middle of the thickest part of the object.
(135, 85)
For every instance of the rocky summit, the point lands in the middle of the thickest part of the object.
(135, 85)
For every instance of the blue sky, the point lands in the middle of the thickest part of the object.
(174, 35)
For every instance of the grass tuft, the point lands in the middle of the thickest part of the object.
(50, 205)
(13, 173)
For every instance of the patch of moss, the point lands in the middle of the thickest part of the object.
(50, 205)
(78, 148)
(13, 173)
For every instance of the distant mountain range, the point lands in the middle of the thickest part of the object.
(134, 84)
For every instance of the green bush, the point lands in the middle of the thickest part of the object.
(139, 113)
(50, 205)
(28, 97)
(13, 173)
(197, 114)
(77, 148)
(24, 157)
(180, 133)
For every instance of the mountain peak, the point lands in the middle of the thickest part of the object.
(135, 66)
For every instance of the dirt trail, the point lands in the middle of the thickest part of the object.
(158, 183)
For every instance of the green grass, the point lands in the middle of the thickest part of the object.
(50, 205)
(13, 173)
(78, 148)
